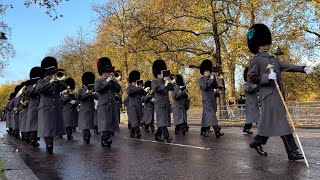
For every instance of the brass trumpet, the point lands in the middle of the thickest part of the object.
(60, 75)
(117, 75)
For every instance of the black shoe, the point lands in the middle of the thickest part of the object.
(158, 138)
(219, 134)
(96, 131)
(34, 143)
(87, 140)
(38, 138)
(138, 136)
(184, 131)
(70, 137)
(295, 155)
(258, 148)
(205, 134)
(109, 142)
(152, 130)
(169, 139)
(27, 140)
(50, 149)
(147, 130)
(248, 131)
(176, 132)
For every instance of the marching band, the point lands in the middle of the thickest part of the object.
(47, 106)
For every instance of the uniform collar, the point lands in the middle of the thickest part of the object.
(264, 54)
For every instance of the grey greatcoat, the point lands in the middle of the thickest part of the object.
(50, 118)
(207, 87)
(6, 107)
(11, 113)
(70, 113)
(148, 109)
(107, 112)
(252, 104)
(135, 105)
(179, 106)
(86, 110)
(273, 120)
(32, 116)
(162, 103)
(23, 118)
(16, 102)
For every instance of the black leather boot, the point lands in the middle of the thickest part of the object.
(34, 143)
(50, 148)
(70, 137)
(295, 155)
(169, 139)
(258, 148)
(87, 139)
(248, 131)
(204, 133)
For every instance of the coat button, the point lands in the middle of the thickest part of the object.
(53, 92)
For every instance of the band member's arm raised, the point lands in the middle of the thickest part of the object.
(177, 94)
(62, 85)
(31, 91)
(291, 68)
(206, 84)
(101, 84)
(116, 86)
(82, 94)
(253, 74)
(249, 87)
(43, 86)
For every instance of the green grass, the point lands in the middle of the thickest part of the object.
(2, 171)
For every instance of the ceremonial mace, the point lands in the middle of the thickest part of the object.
(270, 67)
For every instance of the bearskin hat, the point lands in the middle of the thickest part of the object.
(158, 66)
(71, 83)
(147, 84)
(134, 76)
(35, 74)
(179, 80)
(258, 35)
(49, 65)
(12, 95)
(88, 78)
(102, 63)
(206, 65)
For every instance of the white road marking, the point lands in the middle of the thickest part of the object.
(172, 144)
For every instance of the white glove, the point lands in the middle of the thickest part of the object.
(152, 100)
(147, 88)
(166, 83)
(87, 91)
(109, 79)
(211, 76)
(72, 101)
(52, 80)
(308, 69)
(34, 85)
(272, 75)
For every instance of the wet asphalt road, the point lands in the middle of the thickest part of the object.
(187, 157)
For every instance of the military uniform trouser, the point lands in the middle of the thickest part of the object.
(86, 133)
(69, 131)
(247, 126)
(48, 140)
(106, 135)
(288, 141)
(162, 131)
(33, 135)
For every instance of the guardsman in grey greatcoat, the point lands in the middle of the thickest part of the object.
(34, 99)
(70, 104)
(148, 108)
(16, 104)
(252, 103)
(273, 120)
(180, 105)
(50, 117)
(161, 87)
(11, 112)
(135, 92)
(23, 112)
(106, 87)
(86, 96)
(207, 85)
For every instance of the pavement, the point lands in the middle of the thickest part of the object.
(187, 157)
